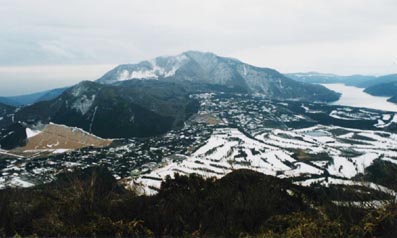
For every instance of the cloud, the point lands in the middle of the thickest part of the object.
(369, 55)
(18, 80)
(340, 36)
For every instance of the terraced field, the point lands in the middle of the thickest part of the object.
(325, 154)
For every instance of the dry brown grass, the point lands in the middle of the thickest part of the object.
(207, 118)
(55, 137)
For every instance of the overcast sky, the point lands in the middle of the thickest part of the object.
(51, 43)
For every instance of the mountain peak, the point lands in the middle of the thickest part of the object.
(159, 67)
(163, 66)
(195, 53)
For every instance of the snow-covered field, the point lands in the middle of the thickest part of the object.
(277, 153)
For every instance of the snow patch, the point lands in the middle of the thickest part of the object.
(83, 104)
(30, 133)
(155, 71)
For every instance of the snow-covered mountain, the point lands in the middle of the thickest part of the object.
(160, 67)
(209, 68)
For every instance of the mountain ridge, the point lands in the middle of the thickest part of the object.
(388, 89)
(357, 80)
(31, 98)
(114, 111)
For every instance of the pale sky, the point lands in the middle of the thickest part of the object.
(52, 43)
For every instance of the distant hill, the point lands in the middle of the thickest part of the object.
(320, 78)
(380, 80)
(393, 99)
(361, 81)
(200, 67)
(9, 101)
(28, 99)
(384, 89)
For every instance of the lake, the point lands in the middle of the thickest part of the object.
(356, 97)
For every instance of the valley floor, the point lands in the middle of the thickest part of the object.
(308, 143)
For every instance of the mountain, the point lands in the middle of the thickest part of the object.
(32, 98)
(393, 99)
(320, 78)
(384, 90)
(380, 80)
(361, 81)
(209, 68)
(8, 101)
(133, 109)
(385, 86)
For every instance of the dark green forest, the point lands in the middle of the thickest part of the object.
(90, 203)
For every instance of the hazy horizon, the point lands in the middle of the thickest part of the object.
(42, 78)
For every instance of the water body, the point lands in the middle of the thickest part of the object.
(356, 97)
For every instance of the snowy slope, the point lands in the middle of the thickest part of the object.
(272, 153)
